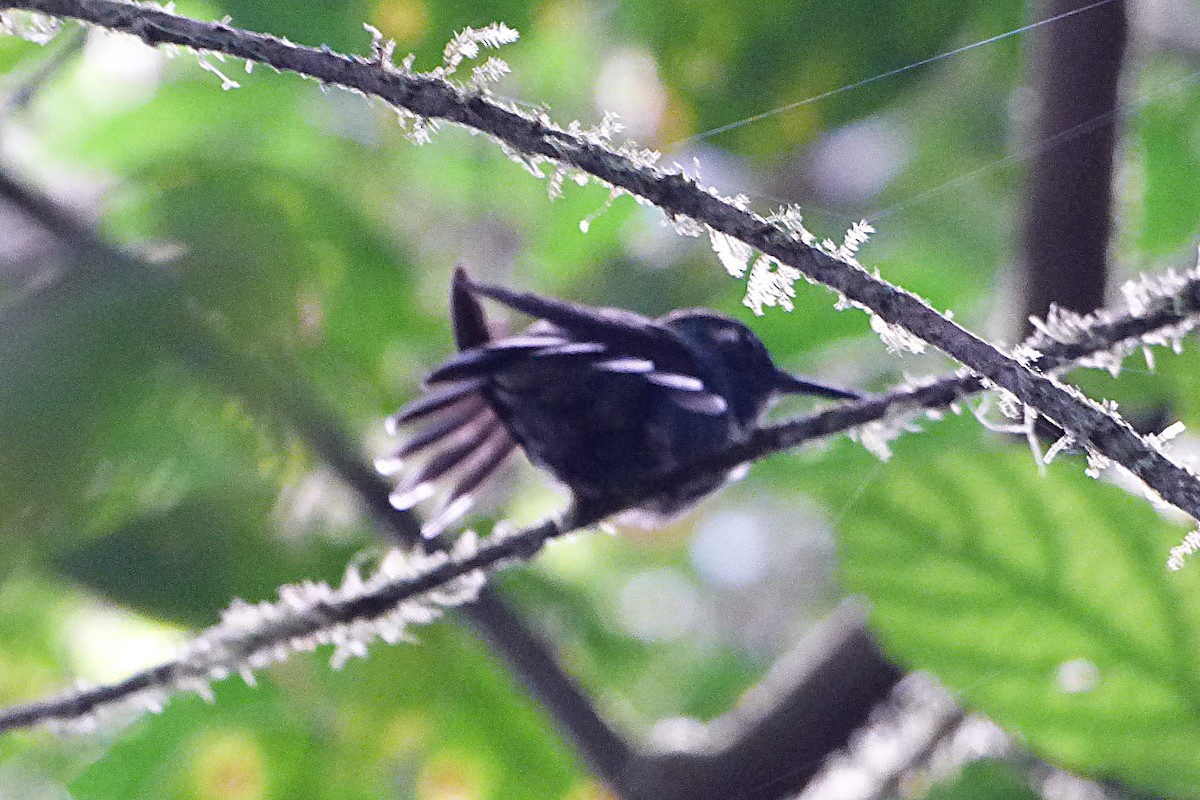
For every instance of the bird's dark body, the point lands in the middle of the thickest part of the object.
(603, 432)
(604, 399)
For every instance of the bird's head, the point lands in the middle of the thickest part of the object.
(736, 353)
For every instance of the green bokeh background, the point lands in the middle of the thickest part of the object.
(139, 494)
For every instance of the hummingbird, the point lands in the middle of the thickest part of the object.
(603, 399)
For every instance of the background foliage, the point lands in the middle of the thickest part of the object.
(138, 496)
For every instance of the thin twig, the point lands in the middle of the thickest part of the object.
(602, 748)
(1102, 333)
(1086, 422)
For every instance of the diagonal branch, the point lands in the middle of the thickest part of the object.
(1167, 308)
(778, 737)
(1086, 422)
(411, 589)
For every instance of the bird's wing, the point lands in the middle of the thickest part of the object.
(623, 331)
(454, 437)
(466, 313)
(552, 353)
(454, 440)
(571, 335)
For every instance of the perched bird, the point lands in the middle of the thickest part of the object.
(602, 398)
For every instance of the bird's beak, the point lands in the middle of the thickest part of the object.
(786, 383)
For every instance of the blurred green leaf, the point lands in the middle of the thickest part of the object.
(73, 356)
(437, 715)
(1044, 602)
(1167, 138)
(617, 668)
(337, 24)
(728, 65)
(985, 780)
(34, 655)
(252, 741)
(190, 560)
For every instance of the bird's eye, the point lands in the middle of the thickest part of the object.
(729, 335)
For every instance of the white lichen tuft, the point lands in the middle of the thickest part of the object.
(1145, 296)
(896, 338)
(421, 130)
(488, 72)
(1096, 463)
(204, 56)
(611, 125)
(855, 238)
(774, 285)
(1143, 293)
(1021, 420)
(530, 163)
(466, 45)
(686, 226)
(733, 254)
(256, 635)
(876, 437)
(771, 284)
(1158, 441)
(1062, 444)
(555, 183)
(792, 221)
(1026, 355)
(30, 25)
(382, 50)
(1031, 438)
(1181, 551)
(1061, 325)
